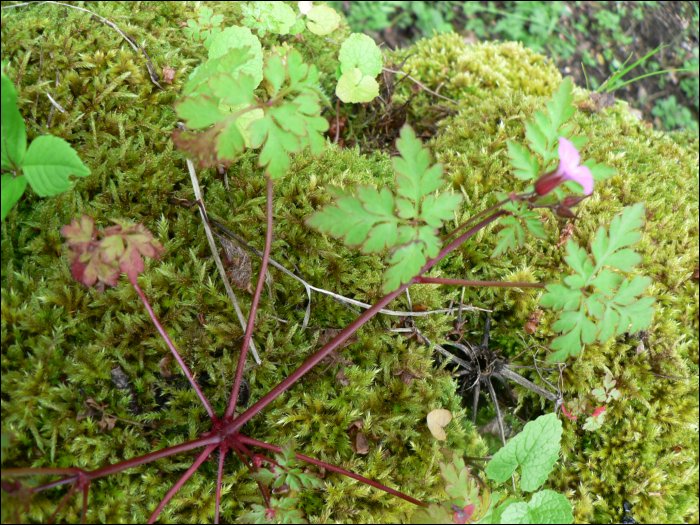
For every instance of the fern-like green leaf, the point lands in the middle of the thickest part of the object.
(512, 235)
(598, 292)
(407, 222)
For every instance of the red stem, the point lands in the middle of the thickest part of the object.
(254, 307)
(460, 282)
(219, 476)
(63, 502)
(180, 482)
(333, 468)
(177, 355)
(338, 340)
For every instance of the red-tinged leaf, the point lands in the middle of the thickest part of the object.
(567, 413)
(463, 515)
(131, 264)
(79, 233)
(112, 248)
(598, 411)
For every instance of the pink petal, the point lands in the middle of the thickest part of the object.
(582, 175)
(568, 154)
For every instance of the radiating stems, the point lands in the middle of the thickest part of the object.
(254, 307)
(349, 330)
(461, 282)
(177, 355)
(180, 482)
(335, 469)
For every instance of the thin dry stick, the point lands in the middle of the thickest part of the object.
(340, 298)
(215, 252)
(421, 85)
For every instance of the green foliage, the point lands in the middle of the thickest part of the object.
(464, 505)
(605, 394)
(46, 165)
(534, 450)
(360, 63)
(405, 223)
(284, 127)
(264, 17)
(205, 28)
(513, 233)
(322, 20)
(281, 510)
(673, 116)
(615, 303)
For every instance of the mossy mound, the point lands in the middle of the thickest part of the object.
(60, 341)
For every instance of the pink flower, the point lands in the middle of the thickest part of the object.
(568, 169)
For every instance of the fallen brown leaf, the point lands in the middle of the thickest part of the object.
(361, 445)
(437, 420)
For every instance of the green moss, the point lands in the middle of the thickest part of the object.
(61, 340)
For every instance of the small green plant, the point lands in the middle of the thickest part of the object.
(534, 451)
(596, 417)
(360, 63)
(46, 165)
(673, 116)
(205, 28)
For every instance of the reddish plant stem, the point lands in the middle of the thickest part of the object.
(219, 477)
(461, 282)
(485, 212)
(253, 308)
(338, 340)
(63, 502)
(180, 482)
(177, 355)
(333, 468)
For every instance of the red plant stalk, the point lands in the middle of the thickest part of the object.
(461, 282)
(349, 330)
(180, 482)
(332, 468)
(213, 439)
(253, 308)
(219, 477)
(177, 355)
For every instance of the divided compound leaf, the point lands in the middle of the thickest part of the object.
(526, 166)
(512, 235)
(406, 223)
(236, 37)
(275, 17)
(599, 292)
(119, 250)
(535, 450)
(322, 20)
(206, 27)
(14, 135)
(48, 164)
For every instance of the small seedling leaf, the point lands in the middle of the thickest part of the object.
(545, 506)
(323, 20)
(360, 51)
(236, 37)
(355, 87)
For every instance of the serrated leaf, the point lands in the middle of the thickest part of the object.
(323, 20)
(545, 506)
(376, 220)
(275, 17)
(355, 87)
(236, 37)
(537, 139)
(48, 164)
(619, 234)
(526, 166)
(560, 108)
(12, 189)
(433, 514)
(534, 450)
(13, 143)
(560, 297)
(359, 51)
